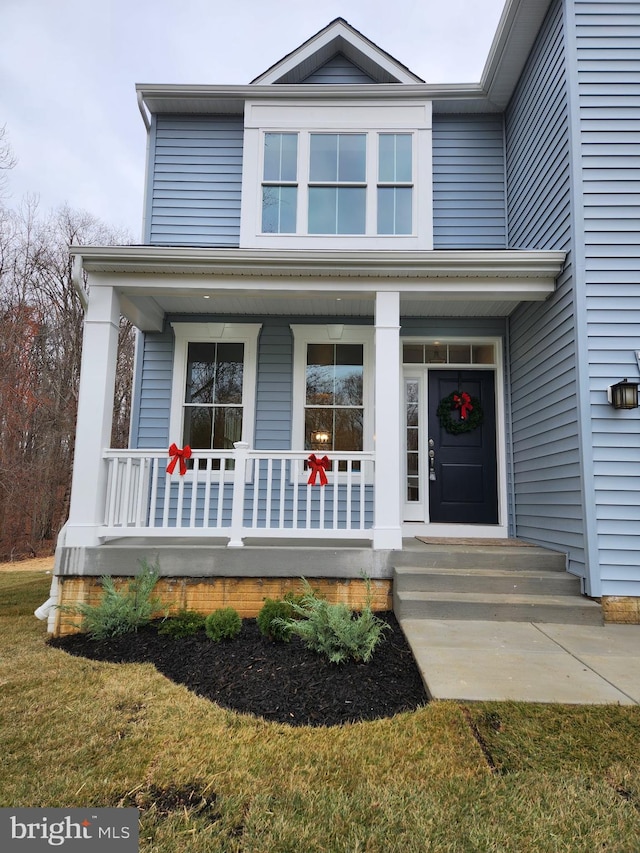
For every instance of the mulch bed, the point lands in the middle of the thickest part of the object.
(282, 682)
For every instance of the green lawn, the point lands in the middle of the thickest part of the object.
(75, 732)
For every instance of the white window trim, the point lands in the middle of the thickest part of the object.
(327, 334)
(369, 117)
(186, 333)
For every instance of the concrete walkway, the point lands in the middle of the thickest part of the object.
(532, 662)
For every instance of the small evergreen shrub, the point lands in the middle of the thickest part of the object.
(185, 623)
(223, 624)
(334, 630)
(121, 611)
(273, 618)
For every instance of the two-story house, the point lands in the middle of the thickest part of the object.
(374, 309)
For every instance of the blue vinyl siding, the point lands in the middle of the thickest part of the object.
(339, 70)
(607, 45)
(196, 181)
(274, 392)
(154, 396)
(547, 475)
(468, 182)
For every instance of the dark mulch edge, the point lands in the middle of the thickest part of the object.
(281, 682)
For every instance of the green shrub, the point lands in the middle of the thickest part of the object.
(185, 623)
(121, 611)
(223, 624)
(334, 630)
(273, 618)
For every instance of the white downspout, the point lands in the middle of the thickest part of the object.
(48, 609)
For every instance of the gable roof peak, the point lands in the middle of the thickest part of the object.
(338, 37)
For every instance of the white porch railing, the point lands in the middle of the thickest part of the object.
(237, 494)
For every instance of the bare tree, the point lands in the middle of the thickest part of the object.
(41, 321)
(8, 159)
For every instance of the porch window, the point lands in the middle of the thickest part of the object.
(333, 390)
(213, 395)
(213, 389)
(334, 406)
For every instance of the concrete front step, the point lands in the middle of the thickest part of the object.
(507, 557)
(490, 581)
(572, 610)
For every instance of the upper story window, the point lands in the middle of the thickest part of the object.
(395, 183)
(280, 183)
(338, 184)
(325, 176)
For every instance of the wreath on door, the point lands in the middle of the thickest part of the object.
(459, 412)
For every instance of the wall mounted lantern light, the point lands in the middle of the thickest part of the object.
(624, 395)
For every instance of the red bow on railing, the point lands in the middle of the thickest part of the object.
(318, 466)
(463, 402)
(182, 455)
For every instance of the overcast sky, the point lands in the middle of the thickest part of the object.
(68, 69)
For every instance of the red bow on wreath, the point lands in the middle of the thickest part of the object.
(318, 466)
(182, 455)
(463, 402)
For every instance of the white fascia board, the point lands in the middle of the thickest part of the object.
(230, 100)
(516, 33)
(336, 31)
(266, 263)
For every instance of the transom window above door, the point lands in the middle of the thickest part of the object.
(448, 352)
(329, 184)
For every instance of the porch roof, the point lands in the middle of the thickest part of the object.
(153, 281)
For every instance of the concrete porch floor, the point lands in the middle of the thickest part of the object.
(524, 661)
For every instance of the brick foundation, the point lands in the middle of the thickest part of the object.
(621, 610)
(246, 595)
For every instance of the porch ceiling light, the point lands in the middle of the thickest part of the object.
(624, 395)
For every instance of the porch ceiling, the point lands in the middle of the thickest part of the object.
(314, 306)
(155, 281)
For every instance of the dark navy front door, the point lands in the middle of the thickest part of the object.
(462, 473)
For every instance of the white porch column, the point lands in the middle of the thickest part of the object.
(95, 415)
(387, 531)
